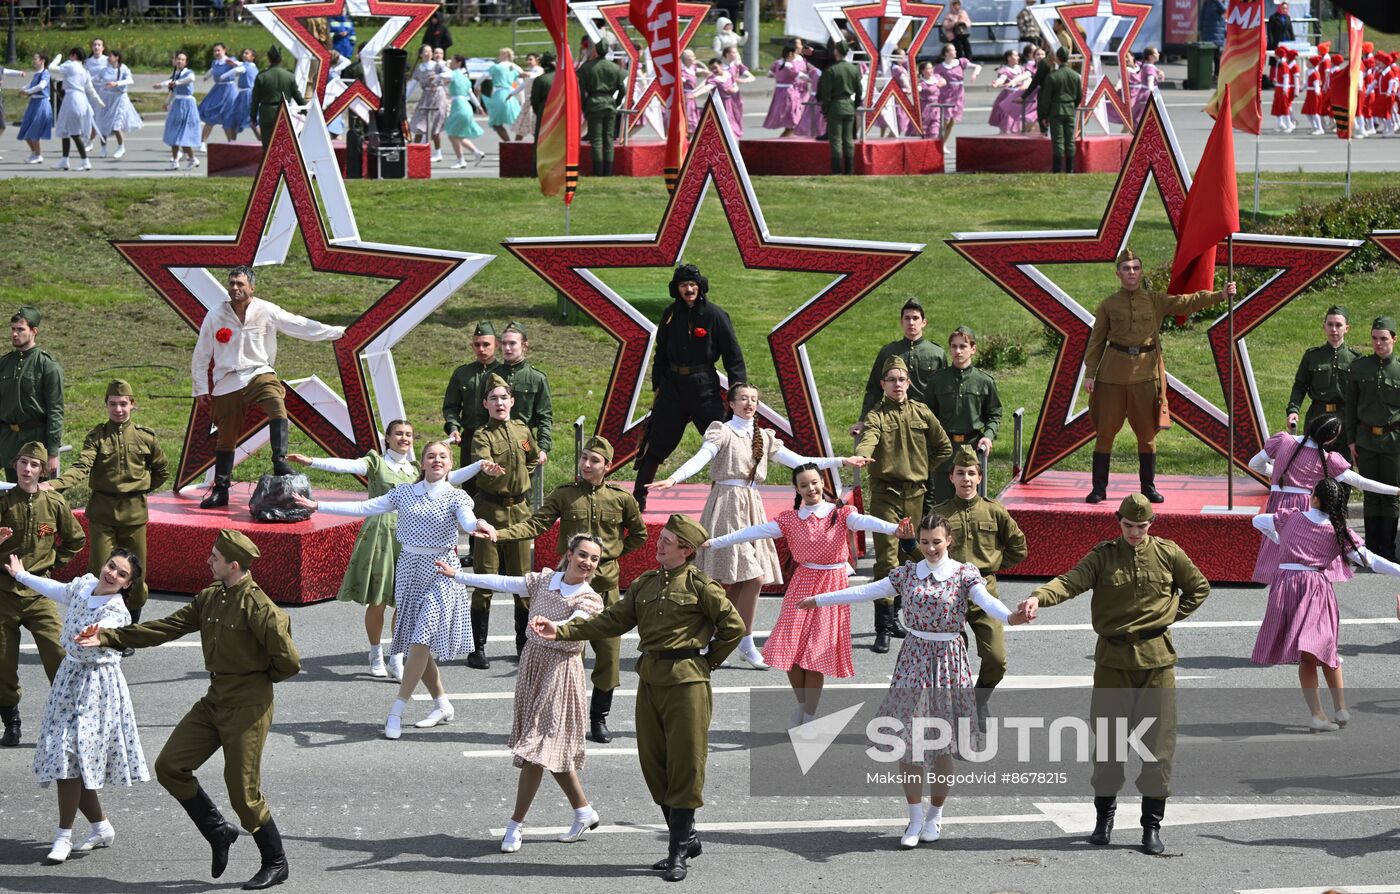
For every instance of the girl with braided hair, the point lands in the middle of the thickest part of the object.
(738, 453)
(1295, 464)
(1300, 622)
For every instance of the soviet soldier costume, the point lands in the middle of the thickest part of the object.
(923, 359)
(609, 513)
(839, 92)
(1139, 592)
(273, 87)
(686, 628)
(684, 383)
(984, 535)
(968, 406)
(600, 86)
(502, 501)
(122, 463)
(462, 410)
(1372, 422)
(45, 535)
(1322, 377)
(248, 647)
(31, 398)
(1123, 359)
(1059, 99)
(533, 405)
(906, 443)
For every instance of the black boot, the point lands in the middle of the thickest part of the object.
(480, 621)
(1386, 529)
(223, 477)
(1147, 477)
(1098, 491)
(211, 824)
(682, 824)
(897, 629)
(598, 707)
(692, 845)
(836, 166)
(1069, 160)
(10, 715)
(882, 629)
(1153, 809)
(522, 619)
(983, 694)
(278, 429)
(274, 860)
(1103, 826)
(1054, 164)
(849, 164)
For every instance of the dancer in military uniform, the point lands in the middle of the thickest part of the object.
(984, 535)
(1372, 422)
(1322, 374)
(591, 505)
(37, 526)
(121, 462)
(462, 410)
(273, 87)
(965, 400)
(31, 400)
(1141, 585)
(1059, 100)
(907, 443)
(528, 386)
(693, 334)
(839, 92)
(687, 628)
(922, 357)
(1124, 372)
(600, 85)
(248, 647)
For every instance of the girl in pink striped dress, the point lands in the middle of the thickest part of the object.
(1300, 623)
(734, 102)
(930, 88)
(786, 109)
(813, 123)
(1035, 57)
(955, 72)
(1006, 108)
(1147, 79)
(721, 83)
(691, 72)
(812, 645)
(1295, 465)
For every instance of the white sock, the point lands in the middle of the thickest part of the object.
(746, 644)
(397, 708)
(376, 652)
(63, 835)
(584, 814)
(808, 718)
(916, 813)
(442, 704)
(103, 828)
(512, 829)
(934, 814)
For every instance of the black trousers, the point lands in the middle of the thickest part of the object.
(695, 400)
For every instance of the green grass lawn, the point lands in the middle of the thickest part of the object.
(105, 322)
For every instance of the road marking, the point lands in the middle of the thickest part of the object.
(177, 644)
(1318, 889)
(592, 752)
(1080, 816)
(779, 825)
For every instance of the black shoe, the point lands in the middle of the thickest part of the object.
(211, 824)
(598, 732)
(1098, 490)
(477, 661)
(893, 624)
(682, 825)
(598, 707)
(1147, 477)
(481, 622)
(882, 630)
(522, 621)
(10, 714)
(1152, 842)
(128, 652)
(983, 694)
(274, 870)
(223, 477)
(1103, 825)
(278, 429)
(1153, 809)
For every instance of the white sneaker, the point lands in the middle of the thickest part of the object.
(1317, 132)
(203, 147)
(459, 163)
(578, 827)
(1322, 726)
(62, 847)
(511, 842)
(194, 163)
(174, 164)
(910, 838)
(34, 160)
(121, 150)
(85, 165)
(395, 665)
(62, 165)
(479, 156)
(96, 839)
(393, 726)
(376, 665)
(439, 714)
(436, 156)
(932, 830)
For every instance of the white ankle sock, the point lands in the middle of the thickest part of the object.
(63, 835)
(442, 704)
(376, 652)
(808, 718)
(583, 814)
(916, 813)
(397, 708)
(746, 644)
(934, 814)
(103, 828)
(513, 829)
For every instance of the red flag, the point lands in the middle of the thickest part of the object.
(1346, 79)
(659, 23)
(1211, 214)
(556, 147)
(1241, 65)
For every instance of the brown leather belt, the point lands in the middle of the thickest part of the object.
(1378, 430)
(23, 426)
(690, 370)
(1134, 350)
(1140, 636)
(963, 439)
(1329, 408)
(500, 500)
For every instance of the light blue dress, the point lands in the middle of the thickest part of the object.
(75, 115)
(182, 119)
(240, 110)
(502, 108)
(120, 114)
(37, 123)
(215, 107)
(461, 123)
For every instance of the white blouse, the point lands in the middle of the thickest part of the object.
(252, 346)
(770, 531)
(945, 569)
(501, 583)
(466, 520)
(1359, 556)
(744, 427)
(396, 461)
(1262, 463)
(78, 589)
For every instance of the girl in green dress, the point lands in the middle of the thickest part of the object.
(461, 122)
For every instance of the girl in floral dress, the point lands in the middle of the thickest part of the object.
(930, 88)
(734, 100)
(955, 72)
(1006, 108)
(932, 678)
(785, 111)
(810, 645)
(551, 708)
(88, 736)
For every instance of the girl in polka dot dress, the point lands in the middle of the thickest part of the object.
(932, 678)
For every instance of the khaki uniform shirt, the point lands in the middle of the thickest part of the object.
(923, 357)
(607, 512)
(45, 534)
(121, 463)
(905, 440)
(1134, 319)
(984, 533)
(510, 444)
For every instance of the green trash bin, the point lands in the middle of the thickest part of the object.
(1200, 66)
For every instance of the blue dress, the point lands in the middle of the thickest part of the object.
(502, 108)
(182, 119)
(461, 123)
(239, 111)
(119, 114)
(215, 107)
(37, 123)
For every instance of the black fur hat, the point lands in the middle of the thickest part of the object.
(688, 273)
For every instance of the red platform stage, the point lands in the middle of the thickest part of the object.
(639, 158)
(1031, 153)
(1060, 527)
(242, 160)
(806, 157)
(301, 562)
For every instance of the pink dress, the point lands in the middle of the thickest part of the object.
(952, 93)
(1027, 98)
(734, 99)
(813, 123)
(786, 109)
(1006, 108)
(1304, 471)
(692, 110)
(900, 75)
(1302, 612)
(929, 91)
(1134, 79)
(1148, 76)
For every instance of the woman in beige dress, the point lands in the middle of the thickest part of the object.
(551, 705)
(738, 452)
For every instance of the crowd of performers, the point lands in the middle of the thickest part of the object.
(1378, 95)
(928, 421)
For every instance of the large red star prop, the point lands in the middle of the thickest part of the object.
(416, 275)
(1389, 242)
(926, 14)
(568, 264)
(1009, 260)
(616, 14)
(1118, 96)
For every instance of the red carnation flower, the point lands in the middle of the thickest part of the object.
(700, 332)
(224, 335)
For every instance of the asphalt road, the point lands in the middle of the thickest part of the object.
(359, 812)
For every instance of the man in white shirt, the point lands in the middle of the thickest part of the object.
(239, 341)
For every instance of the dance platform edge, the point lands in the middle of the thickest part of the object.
(1061, 528)
(1031, 153)
(241, 159)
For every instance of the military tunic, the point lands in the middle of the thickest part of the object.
(1139, 592)
(609, 513)
(923, 357)
(907, 443)
(677, 613)
(462, 407)
(502, 500)
(45, 536)
(122, 463)
(968, 406)
(247, 644)
(600, 86)
(1057, 104)
(31, 404)
(1322, 379)
(838, 92)
(532, 403)
(273, 87)
(986, 536)
(1372, 420)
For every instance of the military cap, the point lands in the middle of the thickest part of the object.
(966, 456)
(496, 382)
(599, 445)
(1338, 310)
(894, 362)
(34, 450)
(30, 314)
(1387, 323)
(966, 332)
(120, 388)
(513, 326)
(1136, 509)
(1125, 256)
(235, 546)
(484, 328)
(690, 531)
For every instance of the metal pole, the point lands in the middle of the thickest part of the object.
(1017, 455)
(1230, 312)
(1256, 174)
(10, 52)
(1353, 124)
(751, 30)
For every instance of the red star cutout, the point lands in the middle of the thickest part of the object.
(416, 275)
(294, 16)
(1389, 242)
(568, 263)
(1118, 97)
(927, 16)
(1009, 260)
(616, 14)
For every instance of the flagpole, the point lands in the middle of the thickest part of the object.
(1230, 312)
(1349, 160)
(1256, 171)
